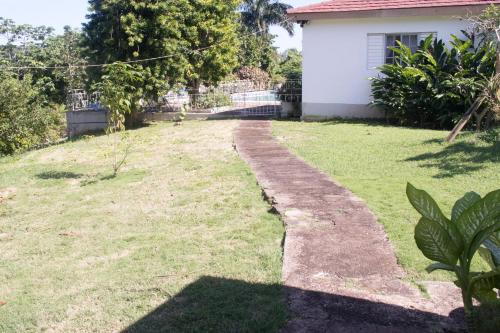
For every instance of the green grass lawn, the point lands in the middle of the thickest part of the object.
(181, 240)
(376, 162)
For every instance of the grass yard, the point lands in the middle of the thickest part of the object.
(180, 241)
(376, 162)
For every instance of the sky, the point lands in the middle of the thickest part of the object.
(58, 13)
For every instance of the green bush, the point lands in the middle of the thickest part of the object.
(212, 99)
(434, 86)
(291, 70)
(291, 65)
(26, 120)
(473, 229)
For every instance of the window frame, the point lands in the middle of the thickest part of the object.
(400, 35)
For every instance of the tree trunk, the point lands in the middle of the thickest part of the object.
(479, 119)
(194, 92)
(133, 119)
(489, 123)
(465, 119)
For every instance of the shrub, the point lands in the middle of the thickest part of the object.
(291, 65)
(434, 86)
(291, 70)
(121, 93)
(259, 77)
(474, 228)
(212, 99)
(26, 120)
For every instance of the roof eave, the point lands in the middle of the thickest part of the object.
(384, 13)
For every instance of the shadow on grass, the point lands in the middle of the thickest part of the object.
(59, 175)
(459, 158)
(86, 179)
(358, 121)
(97, 178)
(213, 304)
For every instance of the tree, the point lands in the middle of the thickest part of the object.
(27, 46)
(194, 42)
(212, 27)
(291, 65)
(257, 50)
(25, 118)
(259, 15)
(29, 115)
(120, 30)
(66, 52)
(22, 44)
(121, 95)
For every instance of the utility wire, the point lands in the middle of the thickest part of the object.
(131, 61)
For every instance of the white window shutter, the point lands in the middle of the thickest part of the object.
(376, 50)
(423, 36)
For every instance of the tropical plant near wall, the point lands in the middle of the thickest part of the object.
(434, 86)
(474, 228)
(486, 27)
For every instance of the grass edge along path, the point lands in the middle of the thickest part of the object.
(376, 161)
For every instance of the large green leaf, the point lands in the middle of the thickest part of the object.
(438, 265)
(429, 209)
(481, 237)
(486, 255)
(483, 285)
(495, 238)
(435, 243)
(463, 204)
(494, 250)
(480, 216)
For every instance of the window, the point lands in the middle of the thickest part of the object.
(410, 40)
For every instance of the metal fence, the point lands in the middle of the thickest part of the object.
(245, 98)
(79, 100)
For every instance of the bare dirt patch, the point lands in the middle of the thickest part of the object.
(7, 193)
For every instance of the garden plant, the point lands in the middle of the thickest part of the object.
(474, 228)
(434, 86)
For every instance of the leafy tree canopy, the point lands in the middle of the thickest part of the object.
(25, 46)
(257, 51)
(291, 65)
(259, 15)
(196, 40)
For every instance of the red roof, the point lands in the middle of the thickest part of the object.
(366, 5)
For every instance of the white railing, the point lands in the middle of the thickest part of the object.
(236, 95)
(79, 100)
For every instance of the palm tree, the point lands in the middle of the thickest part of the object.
(259, 15)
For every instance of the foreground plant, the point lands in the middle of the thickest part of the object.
(474, 227)
(121, 94)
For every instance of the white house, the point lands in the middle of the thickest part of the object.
(344, 41)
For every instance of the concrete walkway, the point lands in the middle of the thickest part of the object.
(339, 269)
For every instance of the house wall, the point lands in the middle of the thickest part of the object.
(336, 67)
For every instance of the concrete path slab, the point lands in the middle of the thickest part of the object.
(339, 269)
